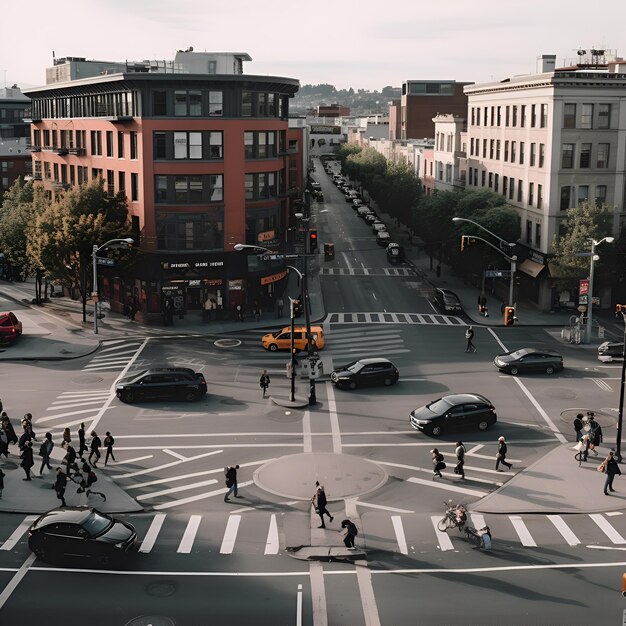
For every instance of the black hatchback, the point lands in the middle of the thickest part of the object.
(365, 373)
(529, 360)
(174, 383)
(81, 532)
(459, 411)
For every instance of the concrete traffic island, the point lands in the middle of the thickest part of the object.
(342, 475)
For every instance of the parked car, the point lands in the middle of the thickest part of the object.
(175, 383)
(365, 373)
(378, 225)
(81, 532)
(447, 301)
(10, 327)
(362, 211)
(281, 340)
(610, 351)
(454, 412)
(370, 218)
(357, 202)
(529, 360)
(395, 252)
(383, 238)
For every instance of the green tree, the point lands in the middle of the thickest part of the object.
(64, 233)
(15, 215)
(583, 223)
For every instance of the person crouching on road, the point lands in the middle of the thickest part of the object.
(438, 463)
(349, 533)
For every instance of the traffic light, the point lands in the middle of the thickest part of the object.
(509, 315)
(466, 240)
(462, 242)
(312, 240)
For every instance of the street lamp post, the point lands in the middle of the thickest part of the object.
(113, 243)
(511, 259)
(620, 416)
(594, 258)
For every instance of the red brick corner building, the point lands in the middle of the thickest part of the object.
(205, 156)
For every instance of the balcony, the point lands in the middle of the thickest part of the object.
(57, 185)
(62, 151)
(76, 151)
(29, 118)
(35, 148)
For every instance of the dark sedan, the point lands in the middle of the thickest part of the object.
(459, 411)
(447, 301)
(365, 373)
(81, 532)
(529, 360)
(175, 383)
(611, 350)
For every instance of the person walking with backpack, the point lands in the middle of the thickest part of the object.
(610, 467)
(231, 481)
(501, 455)
(460, 459)
(469, 335)
(438, 463)
(264, 382)
(45, 450)
(59, 485)
(109, 440)
(94, 448)
(27, 458)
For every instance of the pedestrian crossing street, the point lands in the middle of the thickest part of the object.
(364, 271)
(266, 533)
(114, 355)
(394, 318)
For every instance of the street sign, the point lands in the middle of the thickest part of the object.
(497, 273)
(584, 287)
(583, 299)
(105, 261)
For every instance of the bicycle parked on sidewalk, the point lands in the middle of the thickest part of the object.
(455, 517)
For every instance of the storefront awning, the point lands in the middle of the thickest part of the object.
(532, 268)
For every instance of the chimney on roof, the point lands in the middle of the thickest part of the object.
(548, 63)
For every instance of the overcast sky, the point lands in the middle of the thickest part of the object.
(361, 44)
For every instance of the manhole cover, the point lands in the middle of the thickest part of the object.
(151, 620)
(162, 589)
(227, 343)
(561, 393)
(87, 379)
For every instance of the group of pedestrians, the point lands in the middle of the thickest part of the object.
(84, 476)
(438, 460)
(348, 527)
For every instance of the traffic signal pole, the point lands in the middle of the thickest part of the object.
(620, 416)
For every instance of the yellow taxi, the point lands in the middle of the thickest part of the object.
(281, 340)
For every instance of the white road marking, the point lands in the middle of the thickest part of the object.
(210, 446)
(492, 457)
(445, 543)
(180, 457)
(334, 418)
(202, 496)
(607, 529)
(306, 432)
(57, 416)
(15, 581)
(520, 384)
(398, 529)
(467, 467)
(153, 532)
(65, 405)
(230, 534)
(366, 591)
(445, 487)
(135, 460)
(165, 492)
(261, 507)
(189, 536)
(564, 529)
(272, 543)
(350, 507)
(478, 520)
(522, 531)
(613, 513)
(299, 606)
(166, 465)
(370, 505)
(318, 594)
(17, 534)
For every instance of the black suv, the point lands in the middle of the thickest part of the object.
(365, 373)
(175, 383)
(447, 301)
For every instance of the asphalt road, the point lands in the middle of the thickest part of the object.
(204, 561)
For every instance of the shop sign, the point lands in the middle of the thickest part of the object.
(193, 265)
(266, 280)
(584, 287)
(236, 285)
(268, 235)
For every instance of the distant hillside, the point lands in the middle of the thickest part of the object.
(360, 101)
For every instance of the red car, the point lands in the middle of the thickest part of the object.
(10, 327)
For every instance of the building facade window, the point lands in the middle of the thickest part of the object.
(511, 188)
(600, 195)
(190, 231)
(583, 193)
(586, 116)
(448, 173)
(120, 144)
(246, 103)
(566, 196)
(109, 142)
(505, 185)
(569, 115)
(533, 154)
(121, 184)
(602, 161)
(585, 155)
(604, 116)
(567, 155)
(506, 115)
(529, 232)
(521, 152)
(134, 187)
(506, 151)
(520, 184)
(96, 142)
(523, 116)
(216, 103)
(538, 235)
(159, 143)
(542, 154)
(159, 102)
(539, 196)
(533, 115)
(260, 186)
(497, 149)
(491, 148)
(484, 148)
(187, 103)
(513, 146)
(133, 144)
(544, 116)
(531, 194)
(187, 145)
(260, 144)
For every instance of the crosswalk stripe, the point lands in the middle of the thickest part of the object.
(60, 406)
(272, 543)
(165, 492)
(564, 529)
(230, 534)
(396, 520)
(83, 394)
(17, 534)
(160, 481)
(394, 318)
(100, 368)
(445, 487)
(445, 543)
(153, 532)
(49, 418)
(607, 529)
(149, 470)
(522, 531)
(478, 520)
(202, 496)
(186, 543)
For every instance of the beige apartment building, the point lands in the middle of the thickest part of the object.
(548, 142)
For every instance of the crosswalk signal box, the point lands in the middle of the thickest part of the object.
(329, 251)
